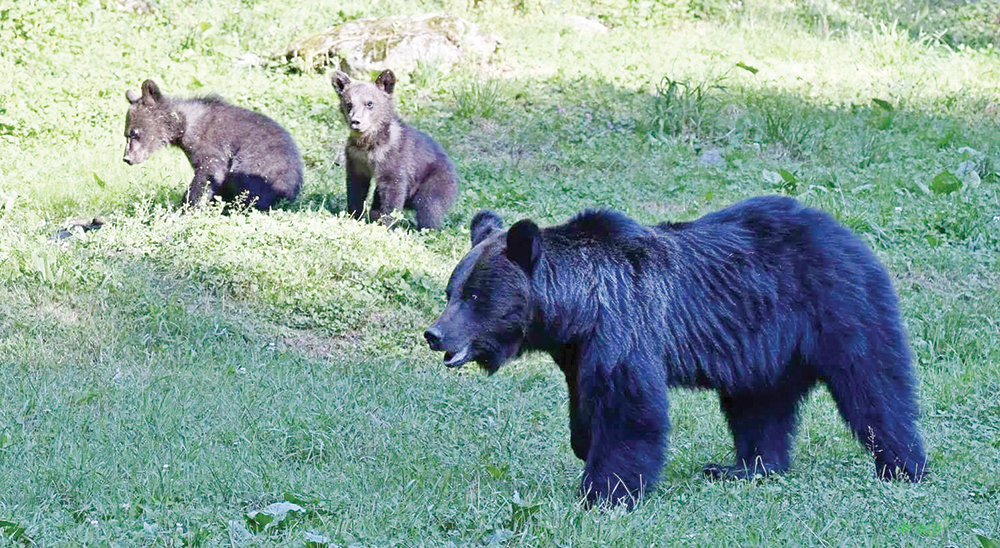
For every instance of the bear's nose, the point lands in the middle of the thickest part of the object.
(433, 336)
(127, 160)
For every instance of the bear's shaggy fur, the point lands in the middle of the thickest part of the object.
(760, 301)
(233, 150)
(410, 169)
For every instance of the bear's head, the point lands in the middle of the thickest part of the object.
(150, 123)
(366, 106)
(490, 307)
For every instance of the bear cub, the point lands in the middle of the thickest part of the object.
(233, 150)
(410, 169)
(760, 302)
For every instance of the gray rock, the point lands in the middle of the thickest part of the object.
(397, 43)
(78, 226)
(249, 60)
(712, 158)
(584, 25)
(135, 6)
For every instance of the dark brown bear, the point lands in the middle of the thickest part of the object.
(760, 301)
(411, 170)
(234, 151)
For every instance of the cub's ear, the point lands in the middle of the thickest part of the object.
(483, 224)
(524, 244)
(386, 81)
(133, 96)
(150, 92)
(340, 81)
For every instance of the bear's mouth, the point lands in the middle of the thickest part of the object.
(456, 359)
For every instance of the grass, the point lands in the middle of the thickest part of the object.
(168, 375)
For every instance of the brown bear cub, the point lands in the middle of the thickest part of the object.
(411, 170)
(234, 151)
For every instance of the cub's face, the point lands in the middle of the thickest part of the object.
(146, 124)
(489, 301)
(365, 105)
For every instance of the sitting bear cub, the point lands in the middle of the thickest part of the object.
(232, 150)
(760, 301)
(410, 169)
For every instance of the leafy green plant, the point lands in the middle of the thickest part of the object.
(689, 110)
(784, 122)
(482, 99)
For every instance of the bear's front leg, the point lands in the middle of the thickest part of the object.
(390, 195)
(622, 466)
(358, 181)
(209, 174)
(628, 437)
(203, 186)
(579, 431)
(579, 418)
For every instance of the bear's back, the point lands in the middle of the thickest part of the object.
(213, 120)
(774, 228)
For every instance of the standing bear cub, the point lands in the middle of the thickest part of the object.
(760, 301)
(232, 150)
(411, 170)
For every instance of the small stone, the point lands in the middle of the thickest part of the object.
(712, 158)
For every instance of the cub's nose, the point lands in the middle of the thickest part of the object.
(355, 124)
(127, 160)
(433, 336)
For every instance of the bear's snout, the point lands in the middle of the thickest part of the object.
(434, 338)
(452, 358)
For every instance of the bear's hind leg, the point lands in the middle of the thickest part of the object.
(430, 213)
(432, 200)
(762, 427)
(881, 409)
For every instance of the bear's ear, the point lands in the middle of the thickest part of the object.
(150, 93)
(483, 224)
(524, 244)
(340, 81)
(133, 96)
(386, 81)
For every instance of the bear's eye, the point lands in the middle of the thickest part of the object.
(133, 134)
(369, 104)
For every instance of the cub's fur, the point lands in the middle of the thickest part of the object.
(411, 170)
(232, 150)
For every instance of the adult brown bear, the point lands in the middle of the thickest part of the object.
(760, 301)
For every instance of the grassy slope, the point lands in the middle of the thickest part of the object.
(167, 374)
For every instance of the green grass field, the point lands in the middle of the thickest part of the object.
(167, 376)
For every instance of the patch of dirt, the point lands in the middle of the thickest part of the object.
(965, 287)
(317, 345)
(665, 211)
(61, 312)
